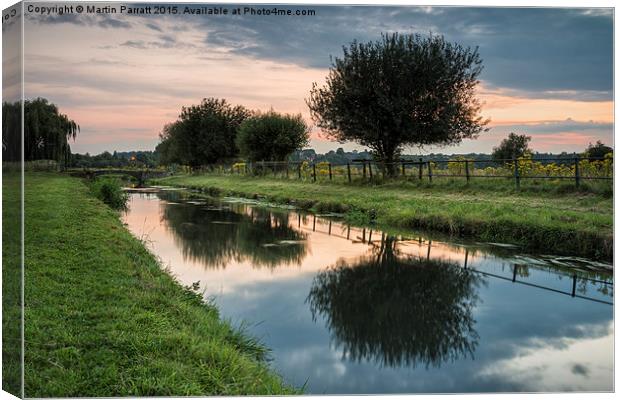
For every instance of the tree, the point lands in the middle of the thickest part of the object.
(272, 136)
(598, 150)
(11, 131)
(402, 90)
(46, 131)
(514, 146)
(203, 134)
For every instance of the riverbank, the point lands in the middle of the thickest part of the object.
(573, 223)
(104, 319)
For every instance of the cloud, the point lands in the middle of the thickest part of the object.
(543, 52)
(101, 20)
(550, 136)
(136, 44)
(580, 369)
(153, 26)
(165, 42)
(567, 125)
(553, 52)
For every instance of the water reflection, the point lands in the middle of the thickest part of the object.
(398, 311)
(354, 310)
(217, 235)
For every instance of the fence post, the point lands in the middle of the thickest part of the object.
(402, 168)
(420, 168)
(430, 172)
(287, 170)
(299, 170)
(577, 172)
(314, 172)
(364, 169)
(517, 178)
(370, 170)
(329, 166)
(349, 171)
(467, 170)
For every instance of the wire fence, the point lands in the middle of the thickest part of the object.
(576, 169)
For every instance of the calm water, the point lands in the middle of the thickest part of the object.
(351, 310)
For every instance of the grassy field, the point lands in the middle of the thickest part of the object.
(103, 319)
(557, 219)
(11, 283)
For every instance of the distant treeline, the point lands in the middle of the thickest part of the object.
(342, 157)
(150, 159)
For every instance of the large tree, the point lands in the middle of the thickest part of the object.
(203, 134)
(46, 131)
(403, 90)
(272, 136)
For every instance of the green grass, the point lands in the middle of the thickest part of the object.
(103, 319)
(11, 283)
(558, 219)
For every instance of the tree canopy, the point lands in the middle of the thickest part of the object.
(46, 131)
(402, 90)
(272, 136)
(203, 134)
(598, 150)
(514, 146)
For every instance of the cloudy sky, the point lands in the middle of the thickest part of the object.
(547, 72)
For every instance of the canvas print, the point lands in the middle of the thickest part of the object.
(210, 199)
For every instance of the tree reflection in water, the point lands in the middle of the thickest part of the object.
(398, 311)
(216, 235)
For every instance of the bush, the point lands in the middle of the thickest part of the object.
(110, 191)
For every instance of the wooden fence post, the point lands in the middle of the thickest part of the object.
(329, 166)
(299, 170)
(467, 170)
(349, 171)
(517, 177)
(314, 172)
(402, 168)
(370, 170)
(364, 169)
(577, 177)
(430, 172)
(420, 169)
(287, 170)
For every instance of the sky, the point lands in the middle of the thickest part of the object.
(548, 72)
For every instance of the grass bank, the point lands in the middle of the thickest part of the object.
(562, 220)
(11, 283)
(103, 319)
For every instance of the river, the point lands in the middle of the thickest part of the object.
(348, 310)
